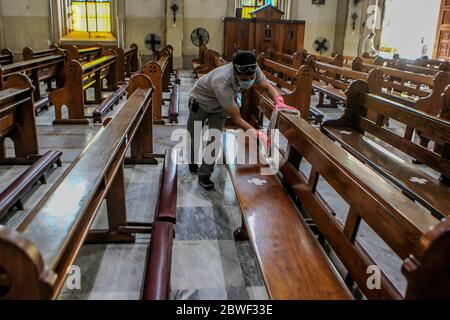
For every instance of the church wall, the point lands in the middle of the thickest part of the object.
(141, 18)
(209, 15)
(352, 38)
(25, 23)
(320, 21)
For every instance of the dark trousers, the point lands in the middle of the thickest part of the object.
(215, 121)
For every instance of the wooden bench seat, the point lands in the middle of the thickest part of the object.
(13, 194)
(350, 130)
(35, 257)
(381, 156)
(293, 264)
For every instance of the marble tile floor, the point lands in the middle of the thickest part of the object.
(207, 263)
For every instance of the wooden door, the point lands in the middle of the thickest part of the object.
(442, 43)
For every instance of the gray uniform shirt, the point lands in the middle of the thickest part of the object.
(216, 90)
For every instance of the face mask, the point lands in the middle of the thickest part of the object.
(246, 84)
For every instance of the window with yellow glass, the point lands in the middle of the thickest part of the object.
(92, 16)
(249, 6)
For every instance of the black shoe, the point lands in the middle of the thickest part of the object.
(193, 168)
(206, 183)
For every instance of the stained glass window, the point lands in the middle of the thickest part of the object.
(90, 16)
(251, 5)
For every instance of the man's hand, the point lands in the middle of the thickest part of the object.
(263, 138)
(280, 105)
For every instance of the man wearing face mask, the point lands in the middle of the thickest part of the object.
(213, 99)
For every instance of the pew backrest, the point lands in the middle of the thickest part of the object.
(403, 226)
(296, 82)
(361, 103)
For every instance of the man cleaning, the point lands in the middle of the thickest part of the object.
(213, 100)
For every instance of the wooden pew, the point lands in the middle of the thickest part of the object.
(294, 84)
(159, 73)
(294, 61)
(433, 64)
(17, 120)
(84, 55)
(29, 54)
(42, 69)
(420, 91)
(6, 57)
(212, 61)
(79, 77)
(293, 262)
(203, 50)
(128, 61)
(380, 151)
(332, 81)
(337, 60)
(35, 257)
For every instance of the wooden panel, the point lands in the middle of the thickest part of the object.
(442, 43)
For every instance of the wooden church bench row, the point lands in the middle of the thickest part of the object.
(29, 54)
(128, 61)
(294, 84)
(365, 113)
(294, 264)
(294, 61)
(18, 121)
(332, 81)
(44, 69)
(46, 243)
(211, 61)
(160, 73)
(78, 78)
(6, 57)
(423, 63)
(423, 92)
(84, 55)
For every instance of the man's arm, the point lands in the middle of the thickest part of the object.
(266, 87)
(236, 118)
